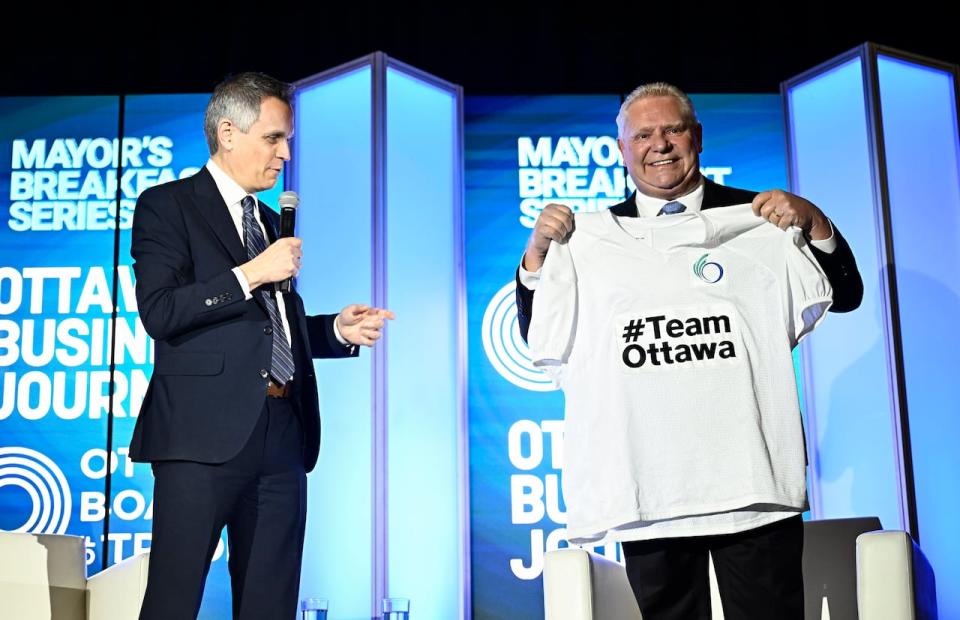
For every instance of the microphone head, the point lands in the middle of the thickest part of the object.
(289, 200)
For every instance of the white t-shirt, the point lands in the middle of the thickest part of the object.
(671, 338)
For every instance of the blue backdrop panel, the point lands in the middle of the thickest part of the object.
(331, 172)
(422, 263)
(58, 184)
(923, 170)
(850, 386)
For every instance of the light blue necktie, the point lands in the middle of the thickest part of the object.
(281, 364)
(672, 207)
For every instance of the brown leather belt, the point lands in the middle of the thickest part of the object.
(278, 391)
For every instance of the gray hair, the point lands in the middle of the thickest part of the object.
(657, 89)
(238, 100)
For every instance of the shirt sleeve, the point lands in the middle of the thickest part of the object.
(828, 245)
(805, 290)
(529, 279)
(244, 285)
(554, 321)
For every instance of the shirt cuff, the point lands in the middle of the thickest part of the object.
(828, 245)
(336, 332)
(529, 279)
(244, 285)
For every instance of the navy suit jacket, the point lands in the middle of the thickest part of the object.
(839, 266)
(213, 348)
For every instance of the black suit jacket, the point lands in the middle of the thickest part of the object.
(839, 266)
(213, 348)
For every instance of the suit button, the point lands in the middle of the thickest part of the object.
(268, 330)
(208, 302)
(263, 373)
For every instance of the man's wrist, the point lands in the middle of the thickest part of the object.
(338, 334)
(250, 273)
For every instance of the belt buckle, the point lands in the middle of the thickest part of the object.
(278, 391)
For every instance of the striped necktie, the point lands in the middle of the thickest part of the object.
(672, 207)
(281, 364)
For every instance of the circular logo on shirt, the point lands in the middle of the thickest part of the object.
(505, 349)
(709, 272)
(45, 485)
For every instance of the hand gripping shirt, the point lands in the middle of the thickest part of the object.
(672, 340)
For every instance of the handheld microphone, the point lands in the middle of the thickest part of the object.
(289, 201)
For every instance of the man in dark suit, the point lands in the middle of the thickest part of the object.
(757, 555)
(230, 421)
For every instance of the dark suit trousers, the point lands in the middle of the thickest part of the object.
(260, 496)
(759, 574)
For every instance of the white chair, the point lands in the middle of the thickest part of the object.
(894, 579)
(850, 571)
(578, 585)
(43, 577)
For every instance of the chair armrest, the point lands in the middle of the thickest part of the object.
(41, 576)
(578, 585)
(894, 578)
(117, 592)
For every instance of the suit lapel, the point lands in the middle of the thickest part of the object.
(716, 195)
(266, 216)
(209, 203)
(627, 208)
(710, 197)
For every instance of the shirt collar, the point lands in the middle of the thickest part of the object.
(230, 190)
(649, 206)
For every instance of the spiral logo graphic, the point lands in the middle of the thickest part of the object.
(708, 272)
(46, 485)
(504, 347)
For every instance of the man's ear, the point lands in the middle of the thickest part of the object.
(225, 134)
